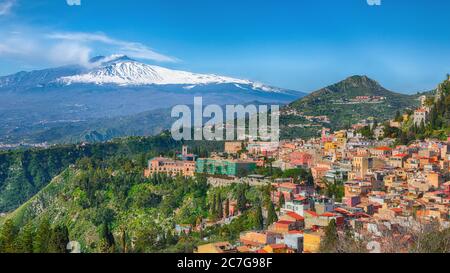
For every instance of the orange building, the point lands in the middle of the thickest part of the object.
(284, 226)
(162, 165)
(253, 238)
(278, 248)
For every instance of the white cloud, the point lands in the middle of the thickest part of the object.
(70, 53)
(6, 6)
(133, 49)
(41, 47)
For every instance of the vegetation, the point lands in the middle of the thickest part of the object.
(438, 125)
(330, 102)
(23, 173)
(108, 206)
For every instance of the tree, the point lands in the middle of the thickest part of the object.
(242, 200)
(271, 214)
(398, 117)
(219, 207)
(281, 201)
(107, 242)
(8, 236)
(213, 206)
(331, 238)
(227, 208)
(59, 239)
(41, 240)
(259, 219)
(25, 239)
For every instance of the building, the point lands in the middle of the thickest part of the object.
(361, 165)
(278, 249)
(357, 188)
(221, 247)
(420, 116)
(162, 165)
(185, 156)
(284, 226)
(311, 242)
(225, 167)
(381, 152)
(300, 159)
(398, 160)
(294, 240)
(313, 219)
(254, 238)
(298, 205)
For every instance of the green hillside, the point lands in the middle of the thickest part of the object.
(108, 206)
(337, 102)
(23, 173)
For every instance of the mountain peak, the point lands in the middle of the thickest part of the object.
(361, 80)
(357, 85)
(121, 70)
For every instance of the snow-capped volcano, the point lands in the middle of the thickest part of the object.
(54, 102)
(121, 70)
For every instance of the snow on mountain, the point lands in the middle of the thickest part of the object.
(120, 70)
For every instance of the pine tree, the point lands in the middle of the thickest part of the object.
(59, 239)
(271, 214)
(242, 201)
(259, 219)
(281, 201)
(41, 240)
(331, 238)
(219, 207)
(227, 208)
(8, 236)
(214, 206)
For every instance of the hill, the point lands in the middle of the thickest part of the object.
(342, 104)
(23, 173)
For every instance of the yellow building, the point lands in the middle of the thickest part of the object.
(311, 242)
(330, 146)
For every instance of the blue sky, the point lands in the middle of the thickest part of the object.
(299, 44)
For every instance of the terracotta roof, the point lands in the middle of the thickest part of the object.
(311, 213)
(328, 214)
(295, 216)
(284, 222)
(383, 148)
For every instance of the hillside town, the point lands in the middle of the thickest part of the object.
(386, 192)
